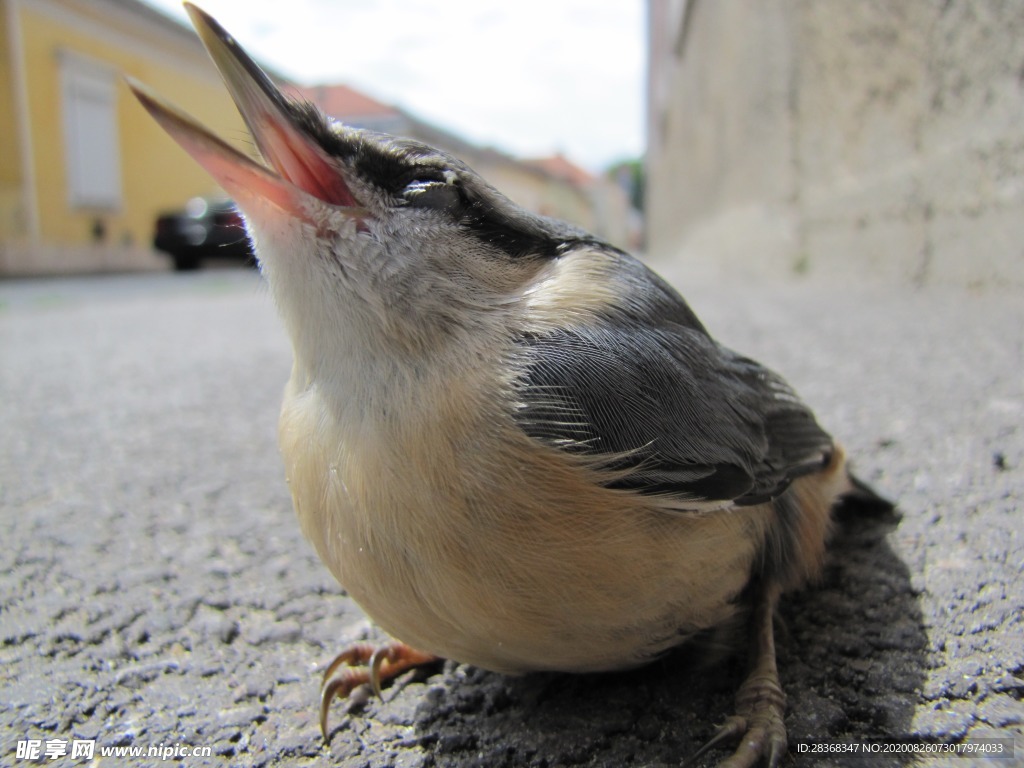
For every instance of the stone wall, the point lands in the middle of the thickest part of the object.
(827, 137)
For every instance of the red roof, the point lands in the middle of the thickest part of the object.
(562, 168)
(341, 102)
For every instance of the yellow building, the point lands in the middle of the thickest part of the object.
(84, 171)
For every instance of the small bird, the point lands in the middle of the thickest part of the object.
(513, 444)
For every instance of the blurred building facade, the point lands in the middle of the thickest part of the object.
(839, 138)
(85, 171)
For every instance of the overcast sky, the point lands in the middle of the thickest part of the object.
(531, 77)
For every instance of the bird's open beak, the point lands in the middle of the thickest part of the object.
(299, 166)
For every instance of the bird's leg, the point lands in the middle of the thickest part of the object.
(362, 664)
(760, 702)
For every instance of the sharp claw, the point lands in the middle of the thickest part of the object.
(777, 752)
(344, 682)
(358, 653)
(340, 686)
(734, 727)
(324, 709)
(327, 693)
(364, 664)
(376, 660)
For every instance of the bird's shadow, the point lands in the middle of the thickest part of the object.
(851, 656)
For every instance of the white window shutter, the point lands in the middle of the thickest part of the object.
(91, 140)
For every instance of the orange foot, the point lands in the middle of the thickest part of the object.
(362, 664)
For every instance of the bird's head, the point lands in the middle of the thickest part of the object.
(364, 238)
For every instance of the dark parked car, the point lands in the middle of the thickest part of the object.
(206, 228)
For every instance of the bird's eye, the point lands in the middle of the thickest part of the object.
(437, 189)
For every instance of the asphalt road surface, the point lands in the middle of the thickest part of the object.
(157, 593)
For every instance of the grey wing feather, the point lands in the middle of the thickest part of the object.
(676, 413)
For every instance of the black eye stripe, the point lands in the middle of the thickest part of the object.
(387, 162)
(392, 164)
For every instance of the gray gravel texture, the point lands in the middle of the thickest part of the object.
(156, 589)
